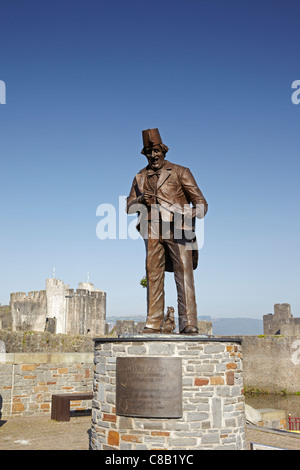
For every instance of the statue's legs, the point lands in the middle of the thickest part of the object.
(182, 262)
(155, 272)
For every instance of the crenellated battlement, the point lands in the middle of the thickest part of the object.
(32, 296)
(56, 284)
(85, 292)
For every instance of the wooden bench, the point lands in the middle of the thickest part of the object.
(60, 408)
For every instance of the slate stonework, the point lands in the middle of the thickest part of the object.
(212, 393)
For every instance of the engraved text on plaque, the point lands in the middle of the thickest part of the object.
(149, 387)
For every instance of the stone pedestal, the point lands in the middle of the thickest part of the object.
(202, 378)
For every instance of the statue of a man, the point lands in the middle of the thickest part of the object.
(168, 199)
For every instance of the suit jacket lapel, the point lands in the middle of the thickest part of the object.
(140, 178)
(164, 175)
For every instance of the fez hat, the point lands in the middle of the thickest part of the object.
(151, 137)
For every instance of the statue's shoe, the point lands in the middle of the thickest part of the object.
(149, 331)
(189, 330)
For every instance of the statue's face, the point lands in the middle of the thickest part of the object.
(155, 157)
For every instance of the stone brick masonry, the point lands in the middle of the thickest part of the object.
(212, 393)
(27, 381)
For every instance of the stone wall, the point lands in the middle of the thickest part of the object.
(212, 397)
(56, 301)
(272, 363)
(27, 381)
(29, 311)
(129, 326)
(36, 342)
(5, 317)
(85, 311)
(267, 417)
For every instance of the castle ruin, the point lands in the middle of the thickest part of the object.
(281, 322)
(59, 309)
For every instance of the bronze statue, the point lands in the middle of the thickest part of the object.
(161, 193)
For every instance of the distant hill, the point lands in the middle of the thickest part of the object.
(221, 326)
(135, 318)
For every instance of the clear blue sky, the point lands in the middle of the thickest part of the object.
(84, 77)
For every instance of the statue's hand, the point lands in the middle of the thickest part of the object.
(148, 198)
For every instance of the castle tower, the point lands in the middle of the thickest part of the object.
(56, 302)
(29, 311)
(86, 310)
(274, 324)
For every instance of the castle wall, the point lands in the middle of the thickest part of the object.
(43, 341)
(28, 311)
(281, 322)
(85, 312)
(271, 363)
(291, 328)
(268, 324)
(71, 312)
(5, 317)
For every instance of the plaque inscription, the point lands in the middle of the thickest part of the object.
(149, 387)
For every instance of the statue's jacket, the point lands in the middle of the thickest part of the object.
(176, 190)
